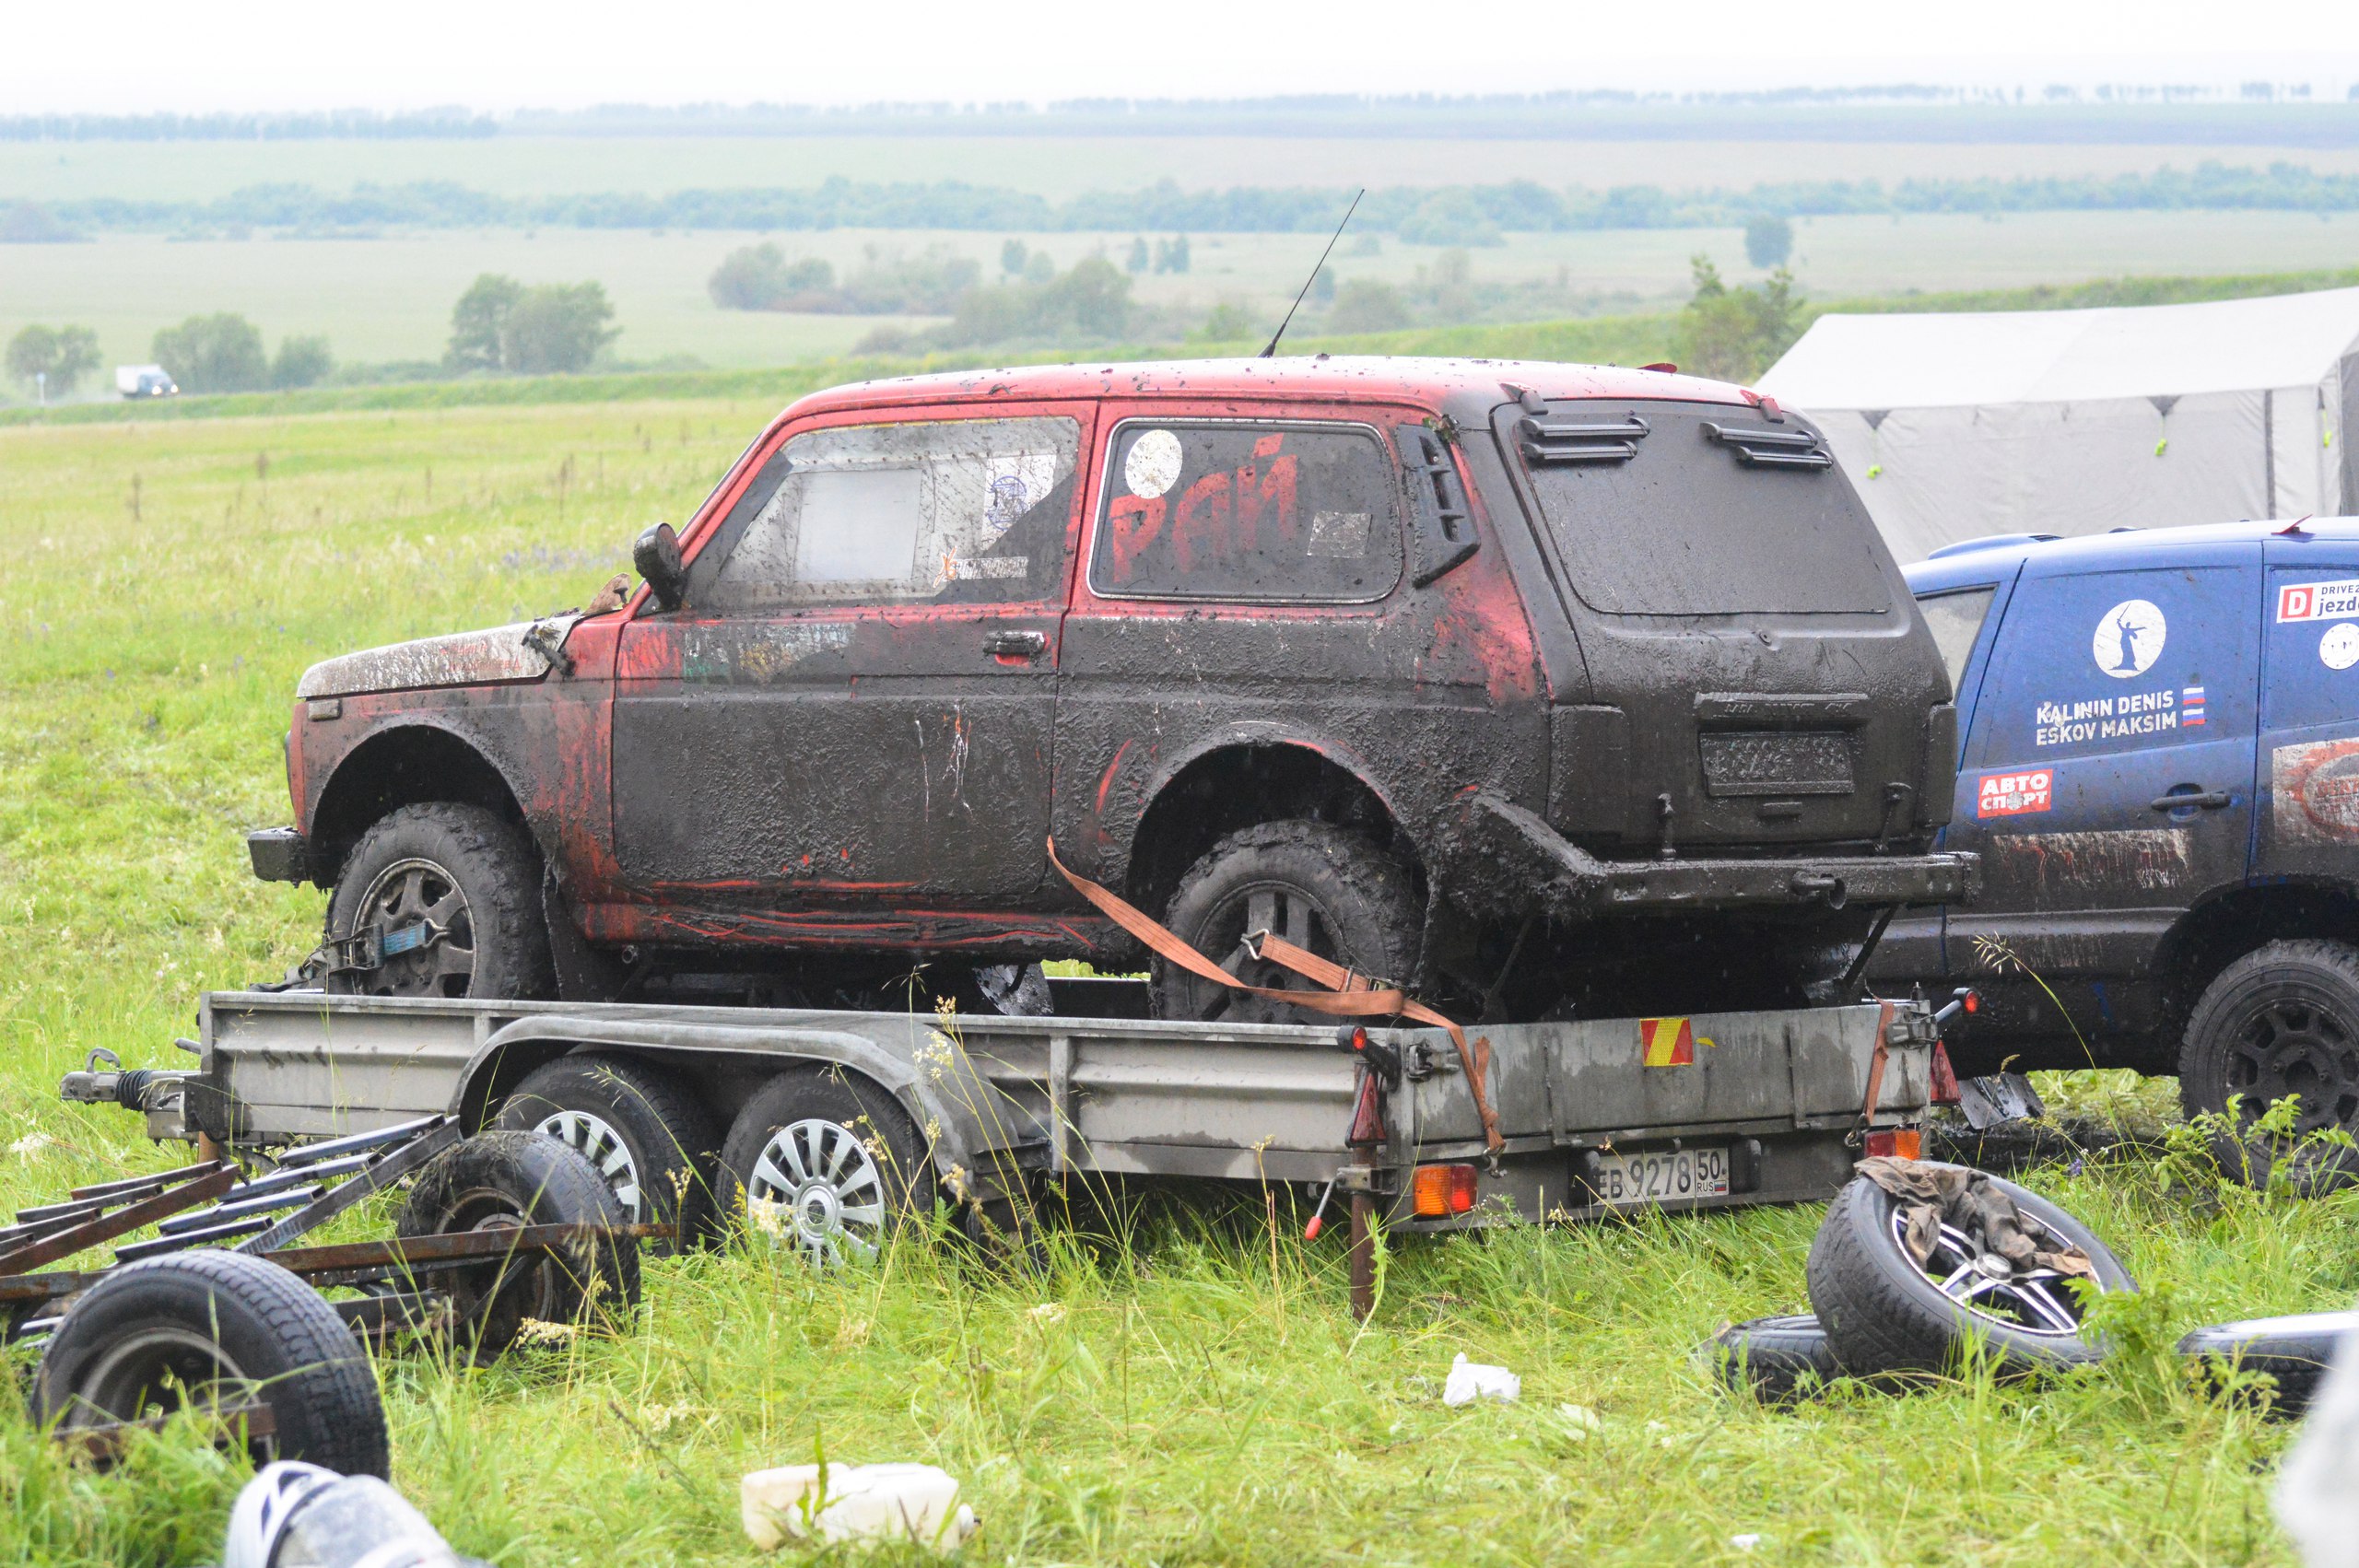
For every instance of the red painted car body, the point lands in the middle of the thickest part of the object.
(881, 772)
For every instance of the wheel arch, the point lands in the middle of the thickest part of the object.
(1246, 776)
(404, 764)
(2222, 929)
(721, 1064)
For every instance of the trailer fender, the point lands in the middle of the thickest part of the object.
(944, 1096)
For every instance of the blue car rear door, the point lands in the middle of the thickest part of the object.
(2309, 818)
(2108, 774)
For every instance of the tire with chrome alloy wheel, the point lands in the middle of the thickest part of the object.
(452, 894)
(823, 1160)
(1887, 1314)
(646, 1135)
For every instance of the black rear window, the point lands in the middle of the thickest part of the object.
(1684, 508)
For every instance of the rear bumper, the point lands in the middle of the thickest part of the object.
(1520, 865)
(279, 854)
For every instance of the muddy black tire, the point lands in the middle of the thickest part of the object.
(822, 1160)
(1319, 886)
(2297, 1352)
(1775, 1359)
(1884, 1315)
(505, 1180)
(472, 879)
(649, 1137)
(2281, 1020)
(235, 1327)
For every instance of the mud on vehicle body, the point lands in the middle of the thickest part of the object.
(1549, 684)
(2162, 734)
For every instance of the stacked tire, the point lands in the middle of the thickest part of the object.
(1879, 1314)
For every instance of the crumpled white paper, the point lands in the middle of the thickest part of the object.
(1470, 1380)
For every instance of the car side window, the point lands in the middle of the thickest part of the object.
(2099, 663)
(1955, 617)
(1258, 511)
(961, 511)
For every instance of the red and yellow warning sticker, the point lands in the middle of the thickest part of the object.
(1668, 1042)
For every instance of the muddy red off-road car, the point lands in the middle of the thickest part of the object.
(1538, 687)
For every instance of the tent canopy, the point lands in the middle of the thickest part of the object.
(2076, 421)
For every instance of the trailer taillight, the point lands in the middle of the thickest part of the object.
(1894, 1143)
(1439, 1190)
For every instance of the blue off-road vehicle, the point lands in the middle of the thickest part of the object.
(2160, 770)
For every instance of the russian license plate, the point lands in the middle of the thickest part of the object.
(1663, 1175)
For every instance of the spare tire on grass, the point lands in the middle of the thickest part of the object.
(1887, 1314)
(218, 1329)
(1777, 1358)
(509, 1180)
(2295, 1351)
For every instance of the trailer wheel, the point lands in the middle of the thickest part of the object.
(650, 1141)
(1321, 887)
(454, 895)
(1884, 1312)
(2297, 1352)
(1776, 1359)
(216, 1329)
(823, 1160)
(2281, 1020)
(506, 1180)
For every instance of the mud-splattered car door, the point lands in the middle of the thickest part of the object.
(2309, 723)
(849, 717)
(2107, 781)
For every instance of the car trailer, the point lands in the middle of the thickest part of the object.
(222, 1308)
(796, 1119)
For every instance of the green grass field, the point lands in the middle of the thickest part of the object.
(390, 298)
(1199, 1397)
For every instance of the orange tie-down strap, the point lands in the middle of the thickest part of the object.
(1348, 995)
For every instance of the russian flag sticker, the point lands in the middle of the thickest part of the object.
(2191, 707)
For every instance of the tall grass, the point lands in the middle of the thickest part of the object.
(1174, 1384)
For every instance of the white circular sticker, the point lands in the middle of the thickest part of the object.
(2130, 638)
(1152, 466)
(2339, 650)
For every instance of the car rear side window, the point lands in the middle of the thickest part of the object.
(1684, 508)
(949, 511)
(1259, 512)
(1956, 618)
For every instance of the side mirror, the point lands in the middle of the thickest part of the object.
(657, 557)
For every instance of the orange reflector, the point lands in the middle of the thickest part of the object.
(1439, 1190)
(1897, 1143)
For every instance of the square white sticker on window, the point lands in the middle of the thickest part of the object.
(1337, 535)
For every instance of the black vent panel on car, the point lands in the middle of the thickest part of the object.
(1759, 446)
(1740, 762)
(1558, 441)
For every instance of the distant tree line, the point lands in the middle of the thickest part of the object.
(339, 122)
(1459, 215)
(2165, 112)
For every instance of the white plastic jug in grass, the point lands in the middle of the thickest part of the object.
(855, 1503)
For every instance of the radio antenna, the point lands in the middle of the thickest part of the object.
(1271, 352)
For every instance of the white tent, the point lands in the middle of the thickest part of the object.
(2078, 421)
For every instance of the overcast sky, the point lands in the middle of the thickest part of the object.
(136, 55)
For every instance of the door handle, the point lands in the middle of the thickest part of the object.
(1015, 644)
(2208, 800)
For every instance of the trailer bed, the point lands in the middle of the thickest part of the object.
(1769, 1105)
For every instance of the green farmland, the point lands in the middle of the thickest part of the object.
(1173, 1387)
(390, 297)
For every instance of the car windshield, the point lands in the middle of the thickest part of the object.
(1694, 521)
